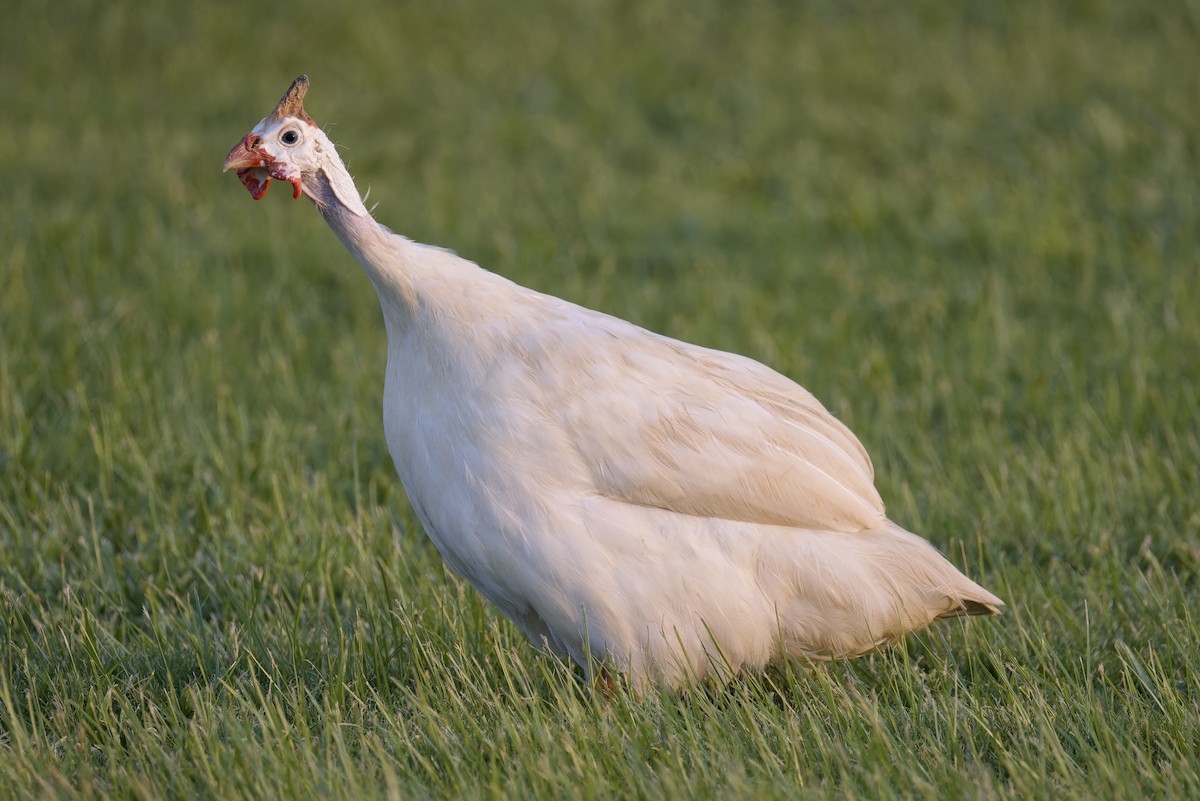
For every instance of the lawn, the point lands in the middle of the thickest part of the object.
(972, 229)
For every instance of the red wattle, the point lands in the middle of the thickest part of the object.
(249, 177)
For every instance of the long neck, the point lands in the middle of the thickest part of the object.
(383, 255)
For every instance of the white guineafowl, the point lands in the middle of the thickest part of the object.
(628, 500)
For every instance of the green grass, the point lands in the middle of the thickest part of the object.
(973, 229)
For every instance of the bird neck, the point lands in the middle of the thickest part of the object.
(381, 253)
(338, 188)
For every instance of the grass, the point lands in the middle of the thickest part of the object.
(972, 229)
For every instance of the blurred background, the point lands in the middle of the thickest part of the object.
(972, 229)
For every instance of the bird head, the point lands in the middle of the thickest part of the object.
(286, 145)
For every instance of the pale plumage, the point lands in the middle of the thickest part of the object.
(674, 511)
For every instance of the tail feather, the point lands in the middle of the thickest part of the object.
(963, 596)
(969, 607)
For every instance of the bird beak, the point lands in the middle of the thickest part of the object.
(251, 165)
(243, 155)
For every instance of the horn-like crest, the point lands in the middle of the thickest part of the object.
(292, 102)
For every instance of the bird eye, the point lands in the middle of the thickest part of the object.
(290, 137)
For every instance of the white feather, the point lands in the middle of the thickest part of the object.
(672, 510)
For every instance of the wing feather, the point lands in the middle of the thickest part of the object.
(712, 434)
